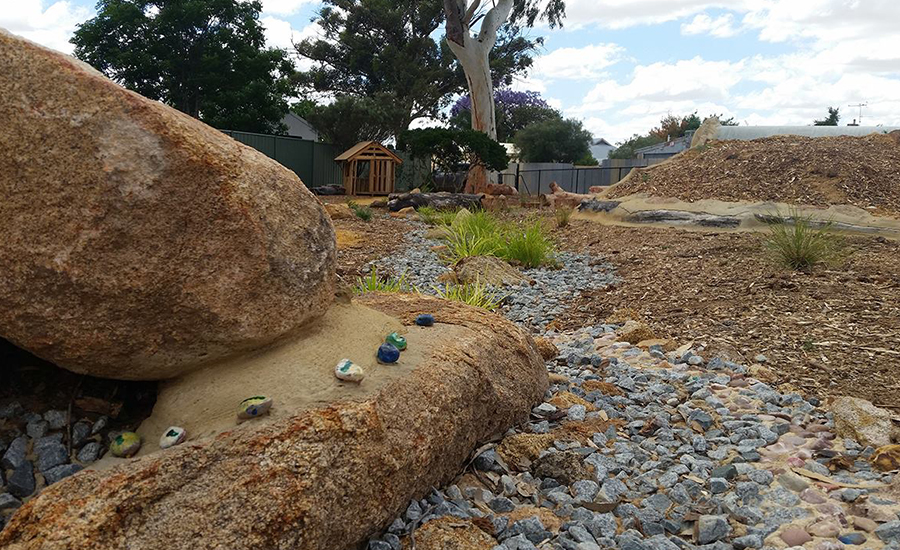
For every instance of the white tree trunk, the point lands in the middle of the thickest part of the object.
(473, 53)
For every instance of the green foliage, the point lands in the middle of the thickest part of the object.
(588, 160)
(433, 216)
(482, 235)
(389, 52)
(529, 246)
(362, 212)
(554, 140)
(834, 116)
(562, 216)
(800, 246)
(449, 148)
(374, 282)
(349, 120)
(475, 294)
(627, 149)
(206, 58)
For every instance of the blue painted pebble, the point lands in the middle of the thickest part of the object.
(425, 320)
(852, 538)
(388, 353)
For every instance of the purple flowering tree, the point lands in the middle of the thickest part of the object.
(513, 111)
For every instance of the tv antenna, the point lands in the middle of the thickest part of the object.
(860, 107)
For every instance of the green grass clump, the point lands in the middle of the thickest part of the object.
(529, 246)
(562, 216)
(433, 216)
(475, 294)
(362, 212)
(801, 246)
(480, 234)
(379, 283)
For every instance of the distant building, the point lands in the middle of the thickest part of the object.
(665, 149)
(298, 127)
(600, 149)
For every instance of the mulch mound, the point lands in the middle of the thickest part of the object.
(835, 331)
(862, 171)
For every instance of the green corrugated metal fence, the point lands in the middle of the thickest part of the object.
(312, 161)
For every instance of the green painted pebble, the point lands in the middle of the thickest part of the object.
(171, 437)
(398, 341)
(125, 444)
(349, 371)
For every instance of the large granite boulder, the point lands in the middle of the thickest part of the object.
(324, 478)
(135, 241)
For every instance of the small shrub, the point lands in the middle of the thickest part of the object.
(529, 246)
(362, 212)
(475, 294)
(376, 283)
(799, 245)
(562, 216)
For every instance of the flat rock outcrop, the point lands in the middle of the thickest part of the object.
(322, 479)
(137, 242)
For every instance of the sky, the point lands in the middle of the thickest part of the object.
(621, 65)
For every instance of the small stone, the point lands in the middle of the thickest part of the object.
(16, 454)
(889, 532)
(60, 472)
(728, 472)
(37, 429)
(21, 482)
(396, 340)
(760, 358)
(576, 413)
(100, 425)
(794, 535)
(51, 455)
(711, 528)
(90, 452)
(171, 437)
(718, 485)
(9, 502)
(125, 444)
(826, 529)
(792, 481)
(812, 496)
(545, 409)
(254, 407)
(425, 320)
(501, 505)
(57, 419)
(387, 353)
(853, 538)
(349, 371)
(748, 541)
(865, 524)
(81, 431)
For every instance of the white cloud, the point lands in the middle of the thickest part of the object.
(584, 63)
(720, 27)
(48, 24)
(285, 7)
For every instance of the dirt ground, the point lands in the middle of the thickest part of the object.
(833, 331)
(862, 171)
(360, 242)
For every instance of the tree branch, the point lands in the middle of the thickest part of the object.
(495, 17)
(455, 28)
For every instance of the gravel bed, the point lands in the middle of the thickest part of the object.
(647, 450)
(531, 306)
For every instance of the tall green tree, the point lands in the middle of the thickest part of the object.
(473, 49)
(834, 116)
(554, 140)
(386, 52)
(206, 58)
(349, 120)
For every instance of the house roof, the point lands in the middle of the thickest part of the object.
(364, 145)
(676, 145)
(601, 141)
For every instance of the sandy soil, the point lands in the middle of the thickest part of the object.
(298, 374)
(833, 331)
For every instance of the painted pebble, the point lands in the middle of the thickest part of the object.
(348, 371)
(171, 437)
(387, 353)
(125, 444)
(254, 407)
(425, 320)
(398, 341)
